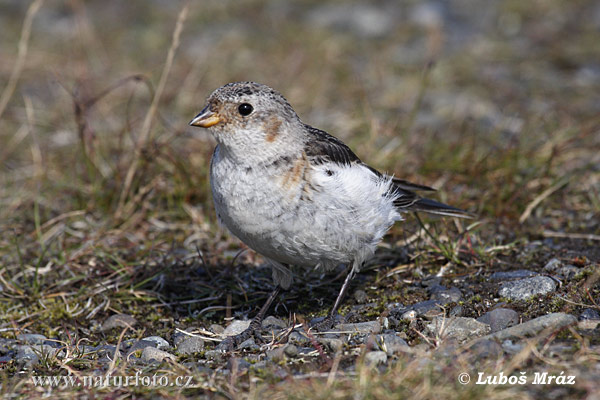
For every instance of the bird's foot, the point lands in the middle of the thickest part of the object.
(232, 342)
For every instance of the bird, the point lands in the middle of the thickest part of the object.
(297, 195)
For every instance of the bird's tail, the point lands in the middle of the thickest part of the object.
(435, 207)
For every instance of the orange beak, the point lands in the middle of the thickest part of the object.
(206, 118)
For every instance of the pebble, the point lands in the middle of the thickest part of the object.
(553, 265)
(445, 296)
(457, 311)
(236, 327)
(248, 344)
(190, 345)
(500, 318)
(568, 271)
(273, 322)
(31, 338)
(516, 274)
(217, 329)
(26, 355)
(361, 327)
(360, 296)
(391, 343)
(140, 345)
(534, 326)
(376, 357)
(589, 313)
(334, 345)
(297, 338)
(526, 288)
(215, 355)
(512, 348)
(277, 354)
(427, 308)
(237, 364)
(290, 350)
(486, 349)
(459, 328)
(159, 342)
(589, 324)
(118, 321)
(151, 354)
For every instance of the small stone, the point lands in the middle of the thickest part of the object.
(457, 311)
(290, 350)
(335, 345)
(459, 328)
(159, 342)
(31, 338)
(428, 308)
(361, 327)
(391, 343)
(237, 364)
(589, 313)
(360, 296)
(534, 326)
(486, 349)
(5, 360)
(26, 355)
(118, 321)
(276, 354)
(190, 345)
(568, 271)
(217, 329)
(500, 318)
(297, 338)
(588, 324)
(236, 327)
(512, 348)
(376, 357)
(526, 288)
(215, 355)
(108, 350)
(248, 344)
(452, 295)
(273, 322)
(516, 274)
(553, 265)
(140, 345)
(151, 354)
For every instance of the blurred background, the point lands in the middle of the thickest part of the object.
(105, 205)
(497, 104)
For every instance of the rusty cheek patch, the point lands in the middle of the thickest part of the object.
(272, 127)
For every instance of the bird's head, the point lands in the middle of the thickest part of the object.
(247, 116)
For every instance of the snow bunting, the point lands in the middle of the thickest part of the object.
(296, 194)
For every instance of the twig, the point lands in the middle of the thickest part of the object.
(22, 53)
(147, 125)
(545, 194)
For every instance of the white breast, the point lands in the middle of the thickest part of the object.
(337, 216)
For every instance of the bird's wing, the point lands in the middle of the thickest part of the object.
(323, 148)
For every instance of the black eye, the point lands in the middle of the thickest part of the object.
(245, 109)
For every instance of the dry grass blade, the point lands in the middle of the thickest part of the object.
(147, 125)
(22, 53)
(545, 194)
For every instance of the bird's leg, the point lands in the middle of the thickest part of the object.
(253, 330)
(329, 320)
